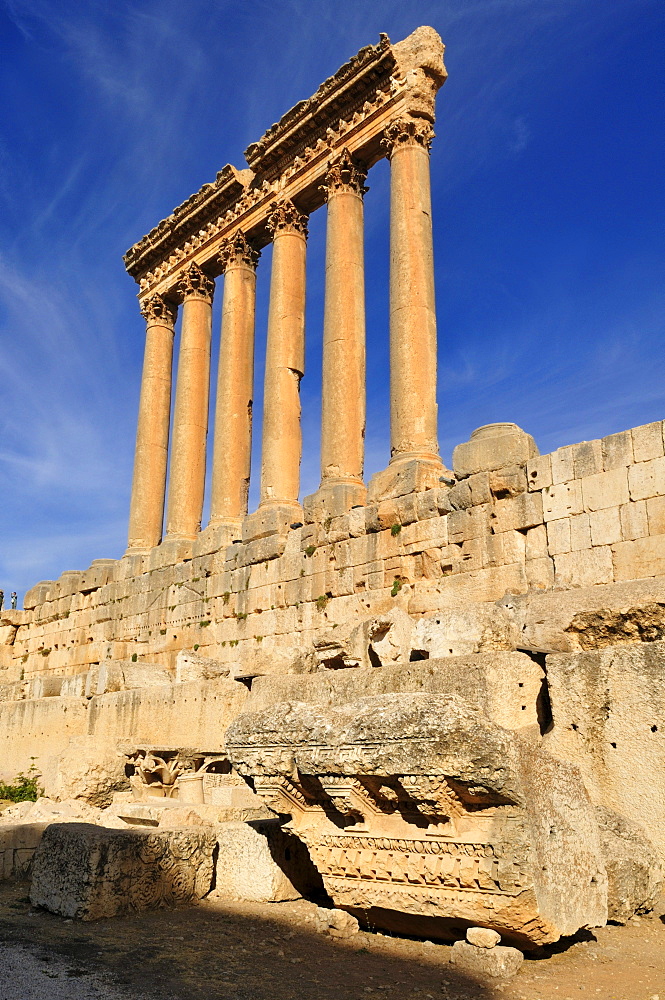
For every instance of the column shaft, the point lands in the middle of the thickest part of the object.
(285, 360)
(152, 435)
(235, 385)
(343, 384)
(190, 414)
(413, 408)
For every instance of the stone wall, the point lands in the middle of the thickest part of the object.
(513, 523)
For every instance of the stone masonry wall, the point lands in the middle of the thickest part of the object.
(585, 515)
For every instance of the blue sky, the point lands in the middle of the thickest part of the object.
(549, 205)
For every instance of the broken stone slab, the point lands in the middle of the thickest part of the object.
(466, 628)
(375, 642)
(259, 862)
(508, 686)
(124, 675)
(634, 870)
(497, 963)
(608, 707)
(189, 666)
(86, 769)
(87, 872)
(418, 803)
(336, 923)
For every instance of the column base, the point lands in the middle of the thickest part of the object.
(171, 551)
(217, 536)
(406, 474)
(333, 498)
(273, 517)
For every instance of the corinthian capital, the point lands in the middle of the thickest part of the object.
(196, 284)
(407, 132)
(238, 250)
(345, 174)
(157, 309)
(285, 218)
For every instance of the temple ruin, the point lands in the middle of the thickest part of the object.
(438, 696)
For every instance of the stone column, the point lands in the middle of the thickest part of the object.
(152, 436)
(190, 414)
(413, 408)
(343, 385)
(285, 361)
(235, 388)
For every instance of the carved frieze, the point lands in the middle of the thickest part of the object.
(195, 283)
(157, 309)
(418, 803)
(238, 250)
(286, 218)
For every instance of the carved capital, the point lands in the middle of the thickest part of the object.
(407, 132)
(285, 218)
(157, 309)
(238, 250)
(345, 174)
(196, 284)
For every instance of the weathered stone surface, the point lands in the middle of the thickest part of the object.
(608, 707)
(418, 803)
(86, 872)
(494, 446)
(86, 770)
(461, 629)
(497, 963)
(507, 686)
(634, 870)
(336, 923)
(482, 937)
(246, 866)
(189, 666)
(18, 843)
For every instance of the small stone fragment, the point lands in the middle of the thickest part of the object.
(499, 963)
(482, 937)
(337, 923)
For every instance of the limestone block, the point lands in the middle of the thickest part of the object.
(18, 843)
(536, 542)
(124, 675)
(100, 573)
(86, 872)
(539, 472)
(246, 868)
(190, 666)
(46, 686)
(482, 937)
(584, 568)
(634, 521)
(562, 499)
(587, 459)
(407, 507)
(605, 526)
(563, 465)
(617, 450)
(655, 507)
(535, 864)
(634, 871)
(456, 631)
(558, 536)
(497, 963)
(507, 686)
(639, 558)
(427, 504)
(580, 532)
(86, 771)
(479, 485)
(459, 497)
(608, 707)
(647, 479)
(37, 594)
(508, 482)
(494, 446)
(606, 489)
(540, 573)
(402, 478)
(648, 441)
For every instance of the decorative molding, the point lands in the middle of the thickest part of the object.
(195, 283)
(345, 175)
(238, 250)
(405, 131)
(158, 310)
(285, 218)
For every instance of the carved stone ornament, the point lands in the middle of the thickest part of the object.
(157, 309)
(407, 132)
(285, 217)
(345, 174)
(195, 283)
(238, 250)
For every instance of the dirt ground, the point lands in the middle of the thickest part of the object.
(248, 951)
